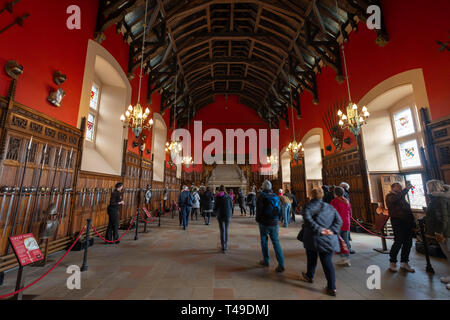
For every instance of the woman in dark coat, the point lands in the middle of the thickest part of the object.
(223, 206)
(241, 199)
(320, 238)
(112, 232)
(206, 203)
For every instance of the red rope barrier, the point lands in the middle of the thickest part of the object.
(108, 241)
(378, 235)
(47, 273)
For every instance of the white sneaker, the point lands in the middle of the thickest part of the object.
(445, 279)
(447, 286)
(344, 262)
(406, 267)
(393, 267)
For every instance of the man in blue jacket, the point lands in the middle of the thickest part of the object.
(185, 202)
(268, 212)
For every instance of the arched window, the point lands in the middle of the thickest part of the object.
(94, 105)
(393, 136)
(105, 95)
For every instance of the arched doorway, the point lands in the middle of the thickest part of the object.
(313, 144)
(286, 169)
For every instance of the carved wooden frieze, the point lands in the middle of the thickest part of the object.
(31, 122)
(13, 148)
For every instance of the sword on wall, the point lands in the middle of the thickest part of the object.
(37, 200)
(27, 154)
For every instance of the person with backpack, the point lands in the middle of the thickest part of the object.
(286, 203)
(196, 205)
(294, 203)
(268, 212)
(320, 238)
(185, 202)
(223, 206)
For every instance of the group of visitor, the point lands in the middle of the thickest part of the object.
(326, 218)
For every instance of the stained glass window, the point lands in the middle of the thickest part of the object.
(90, 130)
(95, 94)
(404, 124)
(416, 194)
(409, 154)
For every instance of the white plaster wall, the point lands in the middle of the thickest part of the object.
(158, 146)
(313, 158)
(379, 143)
(286, 167)
(106, 155)
(109, 134)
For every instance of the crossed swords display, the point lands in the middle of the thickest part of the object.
(18, 21)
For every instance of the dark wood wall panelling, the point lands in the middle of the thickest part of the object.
(298, 181)
(22, 212)
(79, 195)
(349, 166)
(437, 150)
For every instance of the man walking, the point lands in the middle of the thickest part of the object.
(403, 223)
(224, 209)
(185, 202)
(268, 212)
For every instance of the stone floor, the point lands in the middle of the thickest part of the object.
(169, 263)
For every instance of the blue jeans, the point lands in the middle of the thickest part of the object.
(272, 232)
(185, 216)
(327, 265)
(223, 225)
(287, 214)
(346, 236)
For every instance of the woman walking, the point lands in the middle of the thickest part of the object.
(223, 207)
(196, 205)
(438, 220)
(320, 238)
(112, 232)
(343, 207)
(251, 202)
(286, 208)
(206, 204)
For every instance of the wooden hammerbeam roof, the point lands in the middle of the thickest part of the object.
(255, 49)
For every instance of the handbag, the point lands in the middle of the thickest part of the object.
(343, 246)
(300, 234)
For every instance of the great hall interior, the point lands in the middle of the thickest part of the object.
(91, 92)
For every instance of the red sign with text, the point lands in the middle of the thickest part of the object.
(147, 213)
(26, 249)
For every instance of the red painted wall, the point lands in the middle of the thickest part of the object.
(43, 45)
(226, 114)
(413, 26)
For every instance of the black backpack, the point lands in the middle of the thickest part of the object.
(272, 206)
